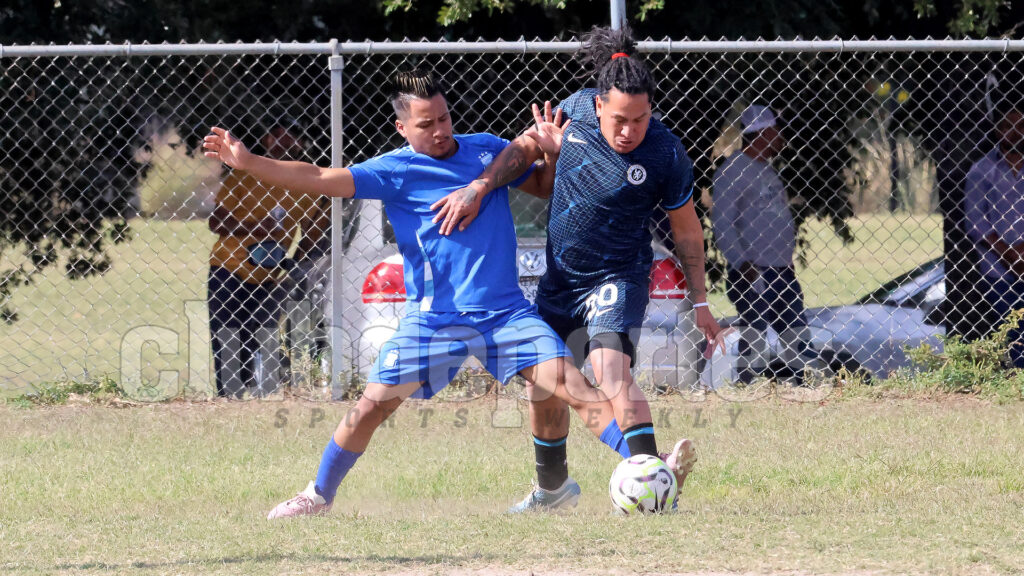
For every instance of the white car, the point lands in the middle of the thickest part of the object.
(374, 302)
(869, 336)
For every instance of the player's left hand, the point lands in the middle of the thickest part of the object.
(709, 327)
(459, 208)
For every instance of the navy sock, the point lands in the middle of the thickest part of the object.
(640, 439)
(334, 465)
(552, 467)
(612, 436)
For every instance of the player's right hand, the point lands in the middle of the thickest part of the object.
(220, 144)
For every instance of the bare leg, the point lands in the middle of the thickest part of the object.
(559, 378)
(612, 372)
(376, 404)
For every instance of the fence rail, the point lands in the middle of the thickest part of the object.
(100, 144)
(347, 48)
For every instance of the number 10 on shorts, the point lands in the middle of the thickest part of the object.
(601, 301)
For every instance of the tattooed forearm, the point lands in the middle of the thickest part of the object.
(508, 167)
(690, 250)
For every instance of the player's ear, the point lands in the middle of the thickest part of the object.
(598, 105)
(400, 127)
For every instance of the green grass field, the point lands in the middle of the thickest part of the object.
(74, 330)
(851, 486)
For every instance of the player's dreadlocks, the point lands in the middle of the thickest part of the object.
(611, 57)
(411, 84)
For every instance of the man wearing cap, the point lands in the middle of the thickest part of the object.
(754, 230)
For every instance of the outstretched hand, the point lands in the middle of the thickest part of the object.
(547, 130)
(220, 144)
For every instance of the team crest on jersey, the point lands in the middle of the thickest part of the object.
(486, 158)
(636, 174)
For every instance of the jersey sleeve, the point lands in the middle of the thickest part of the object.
(727, 215)
(678, 187)
(976, 203)
(379, 178)
(227, 194)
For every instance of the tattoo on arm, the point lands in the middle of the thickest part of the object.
(691, 255)
(508, 167)
(469, 194)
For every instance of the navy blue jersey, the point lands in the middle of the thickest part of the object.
(600, 212)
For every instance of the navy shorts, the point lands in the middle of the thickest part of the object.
(584, 317)
(430, 347)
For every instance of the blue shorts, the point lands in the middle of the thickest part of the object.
(430, 347)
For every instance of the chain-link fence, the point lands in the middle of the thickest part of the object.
(842, 239)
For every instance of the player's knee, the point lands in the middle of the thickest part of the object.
(377, 409)
(579, 390)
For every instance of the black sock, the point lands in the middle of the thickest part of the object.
(640, 439)
(552, 467)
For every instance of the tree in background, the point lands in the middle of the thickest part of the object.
(70, 128)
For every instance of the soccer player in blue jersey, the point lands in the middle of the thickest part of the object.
(615, 166)
(463, 293)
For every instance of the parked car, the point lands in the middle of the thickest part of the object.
(869, 336)
(374, 301)
(383, 301)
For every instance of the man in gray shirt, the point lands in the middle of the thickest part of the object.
(994, 215)
(754, 229)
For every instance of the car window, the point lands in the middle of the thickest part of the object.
(901, 290)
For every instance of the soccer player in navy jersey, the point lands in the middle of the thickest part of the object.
(463, 293)
(616, 164)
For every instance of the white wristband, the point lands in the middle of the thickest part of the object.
(700, 305)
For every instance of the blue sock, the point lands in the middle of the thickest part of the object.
(612, 436)
(334, 465)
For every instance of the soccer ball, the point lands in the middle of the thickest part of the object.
(643, 484)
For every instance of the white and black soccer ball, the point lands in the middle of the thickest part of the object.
(643, 484)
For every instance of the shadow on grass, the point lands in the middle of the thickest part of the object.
(270, 558)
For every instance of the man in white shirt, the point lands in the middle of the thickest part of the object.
(754, 229)
(994, 213)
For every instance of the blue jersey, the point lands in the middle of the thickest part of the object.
(600, 212)
(470, 271)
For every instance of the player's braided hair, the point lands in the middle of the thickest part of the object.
(610, 55)
(411, 84)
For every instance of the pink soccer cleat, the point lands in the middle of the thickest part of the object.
(306, 503)
(681, 460)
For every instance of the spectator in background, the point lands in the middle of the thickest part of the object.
(755, 231)
(256, 226)
(994, 214)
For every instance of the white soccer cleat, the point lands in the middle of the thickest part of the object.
(561, 498)
(306, 503)
(681, 460)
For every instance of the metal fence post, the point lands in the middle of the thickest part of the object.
(337, 332)
(618, 9)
